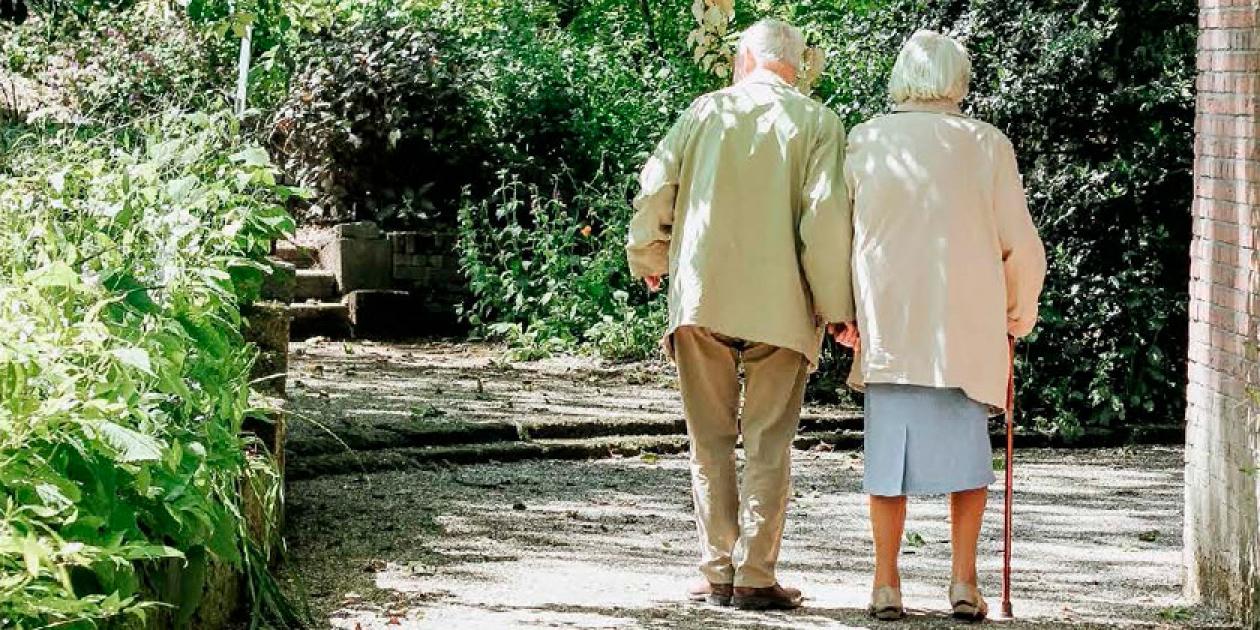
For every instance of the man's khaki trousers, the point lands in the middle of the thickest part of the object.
(740, 526)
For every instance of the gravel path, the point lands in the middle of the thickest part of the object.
(610, 544)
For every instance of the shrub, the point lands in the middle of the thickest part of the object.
(379, 125)
(551, 275)
(1095, 95)
(124, 259)
(111, 66)
(1097, 98)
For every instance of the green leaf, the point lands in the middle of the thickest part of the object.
(178, 189)
(56, 274)
(192, 581)
(131, 445)
(134, 357)
(32, 554)
(253, 156)
(151, 552)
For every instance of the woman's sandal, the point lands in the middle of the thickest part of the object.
(967, 603)
(886, 604)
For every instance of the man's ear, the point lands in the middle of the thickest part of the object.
(744, 64)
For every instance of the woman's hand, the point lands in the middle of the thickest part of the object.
(846, 334)
(653, 283)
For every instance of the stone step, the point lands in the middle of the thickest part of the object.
(319, 319)
(420, 433)
(315, 284)
(351, 462)
(354, 462)
(297, 255)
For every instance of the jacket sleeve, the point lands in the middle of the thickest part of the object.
(1023, 255)
(647, 246)
(825, 230)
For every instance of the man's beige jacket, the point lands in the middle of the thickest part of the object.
(743, 206)
(947, 260)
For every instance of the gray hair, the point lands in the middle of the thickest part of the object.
(931, 67)
(774, 40)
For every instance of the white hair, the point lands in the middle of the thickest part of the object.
(774, 40)
(931, 67)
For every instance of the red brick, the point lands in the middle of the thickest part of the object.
(1225, 147)
(1235, 192)
(1221, 253)
(1223, 126)
(1223, 168)
(1232, 17)
(1229, 39)
(1230, 104)
(1227, 82)
(1218, 4)
(1227, 211)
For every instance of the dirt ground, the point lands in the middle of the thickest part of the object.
(366, 392)
(610, 543)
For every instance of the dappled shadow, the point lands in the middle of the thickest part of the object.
(610, 543)
(369, 393)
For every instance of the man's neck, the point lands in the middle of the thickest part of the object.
(783, 70)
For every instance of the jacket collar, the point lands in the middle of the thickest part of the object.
(942, 106)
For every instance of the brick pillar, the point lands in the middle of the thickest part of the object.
(1222, 529)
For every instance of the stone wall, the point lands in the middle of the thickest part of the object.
(1222, 531)
(426, 263)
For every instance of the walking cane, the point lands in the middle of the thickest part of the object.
(1010, 495)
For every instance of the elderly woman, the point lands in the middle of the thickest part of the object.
(947, 265)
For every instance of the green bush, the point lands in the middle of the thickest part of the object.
(550, 272)
(569, 117)
(378, 125)
(124, 378)
(108, 66)
(1096, 96)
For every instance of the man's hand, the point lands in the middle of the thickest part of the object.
(653, 283)
(846, 334)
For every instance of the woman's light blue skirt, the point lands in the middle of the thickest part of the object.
(925, 440)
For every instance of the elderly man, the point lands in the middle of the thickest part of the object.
(743, 206)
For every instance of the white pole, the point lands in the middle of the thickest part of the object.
(242, 77)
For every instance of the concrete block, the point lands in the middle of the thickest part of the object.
(382, 314)
(300, 256)
(267, 326)
(315, 284)
(271, 429)
(366, 230)
(279, 284)
(330, 320)
(358, 263)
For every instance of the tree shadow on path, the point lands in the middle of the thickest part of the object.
(611, 544)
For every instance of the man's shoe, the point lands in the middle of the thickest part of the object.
(767, 598)
(706, 591)
(886, 604)
(967, 603)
